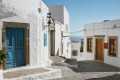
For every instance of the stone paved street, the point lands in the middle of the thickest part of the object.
(87, 70)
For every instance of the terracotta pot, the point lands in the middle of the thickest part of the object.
(0, 66)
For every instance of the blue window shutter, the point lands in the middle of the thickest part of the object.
(45, 39)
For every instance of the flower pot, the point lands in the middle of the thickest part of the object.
(0, 66)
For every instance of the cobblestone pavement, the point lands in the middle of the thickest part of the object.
(87, 70)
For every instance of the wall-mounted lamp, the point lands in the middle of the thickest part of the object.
(49, 17)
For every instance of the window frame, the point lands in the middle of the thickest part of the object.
(91, 44)
(109, 44)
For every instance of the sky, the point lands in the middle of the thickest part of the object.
(87, 11)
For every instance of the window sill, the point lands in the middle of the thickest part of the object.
(112, 56)
(89, 51)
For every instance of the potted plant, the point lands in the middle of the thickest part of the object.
(2, 57)
(74, 53)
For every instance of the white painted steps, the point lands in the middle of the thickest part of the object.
(52, 73)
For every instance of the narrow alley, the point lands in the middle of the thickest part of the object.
(86, 70)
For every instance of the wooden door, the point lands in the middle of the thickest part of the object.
(52, 43)
(100, 49)
(14, 47)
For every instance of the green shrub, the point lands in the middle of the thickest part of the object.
(2, 56)
(81, 49)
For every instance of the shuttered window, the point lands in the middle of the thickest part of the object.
(113, 46)
(89, 44)
(45, 39)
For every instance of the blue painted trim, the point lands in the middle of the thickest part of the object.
(45, 39)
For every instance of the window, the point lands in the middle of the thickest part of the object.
(113, 46)
(45, 39)
(89, 44)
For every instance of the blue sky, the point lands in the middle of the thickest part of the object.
(88, 11)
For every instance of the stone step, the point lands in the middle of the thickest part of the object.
(57, 59)
(49, 74)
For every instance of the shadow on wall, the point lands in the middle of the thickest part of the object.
(113, 77)
(57, 53)
(94, 66)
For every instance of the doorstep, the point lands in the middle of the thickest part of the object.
(16, 68)
(57, 59)
(32, 74)
(1, 74)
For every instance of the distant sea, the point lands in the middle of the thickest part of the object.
(76, 38)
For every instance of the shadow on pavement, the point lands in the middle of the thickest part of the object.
(92, 66)
(113, 77)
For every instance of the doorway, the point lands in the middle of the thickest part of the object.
(52, 43)
(15, 47)
(100, 49)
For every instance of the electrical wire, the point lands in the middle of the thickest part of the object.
(76, 32)
(91, 30)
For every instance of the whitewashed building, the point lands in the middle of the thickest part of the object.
(24, 33)
(60, 41)
(76, 49)
(101, 42)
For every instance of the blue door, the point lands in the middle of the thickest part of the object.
(14, 47)
(10, 50)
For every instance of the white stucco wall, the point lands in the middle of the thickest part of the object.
(60, 14)
(62, 44)
(66, 47)
(103, 29)
(58, 39)
(57, 13)
(26, 11)
(43, 29)
(66, 20)
(77, 46)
